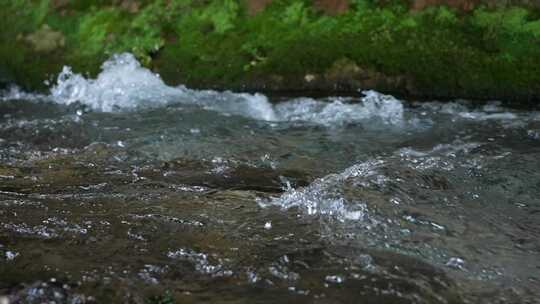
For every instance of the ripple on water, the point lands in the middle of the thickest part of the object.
(125, 183)
(201, 262)
(325, 196)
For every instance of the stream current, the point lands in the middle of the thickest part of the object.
(124, 189)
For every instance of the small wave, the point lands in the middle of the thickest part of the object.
(374, 105)
(325, 195)
(441, 149)
(15, 93)
(124, 85)
(490, 111)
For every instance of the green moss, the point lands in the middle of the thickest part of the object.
(441, 52)
(98, 29)
(111, 30)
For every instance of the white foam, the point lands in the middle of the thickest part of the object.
(15, 93)
(488, 116)
(373, 105)
(124, 84)
(490, 111)
(254, 106)
(325, 195)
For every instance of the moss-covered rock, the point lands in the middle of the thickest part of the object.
(45, 39)
(436, 52)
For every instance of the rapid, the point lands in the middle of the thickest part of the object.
(124, 189)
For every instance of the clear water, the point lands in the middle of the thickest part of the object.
(121, 188)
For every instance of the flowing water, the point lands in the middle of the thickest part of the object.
(124, 189)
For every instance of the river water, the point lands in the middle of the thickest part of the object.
(124, 189)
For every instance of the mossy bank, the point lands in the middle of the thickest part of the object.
(435, 52)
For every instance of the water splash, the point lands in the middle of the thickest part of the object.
(325, 195)
(490, 111)
(16, 93)
(201, 262)
(124, 85)
(338, 111)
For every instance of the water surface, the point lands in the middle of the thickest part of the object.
(121, 188)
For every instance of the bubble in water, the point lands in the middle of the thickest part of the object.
(11, 255)
(324, 196)
(335, 279)
(457, 263)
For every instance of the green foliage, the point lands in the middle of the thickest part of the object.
(143, 35)
(223, 14)
(218, 16)
(215, 42)
(41, 12)
(445, 16)
(295, 14)
(111, 30)
(23, 15)
(361, 5)
(501, 21)
(97, 29)
(509, 32)
(532, 28)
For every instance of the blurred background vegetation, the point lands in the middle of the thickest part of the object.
(448, 49)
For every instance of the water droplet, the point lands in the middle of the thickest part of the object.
(336, 279)
(11, 255)
(455, 262)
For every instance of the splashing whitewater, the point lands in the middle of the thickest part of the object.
(124, 85)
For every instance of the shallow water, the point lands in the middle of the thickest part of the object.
(123, 189)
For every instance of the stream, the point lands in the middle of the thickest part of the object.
(122, 189)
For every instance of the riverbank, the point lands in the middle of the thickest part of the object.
(434, 52)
